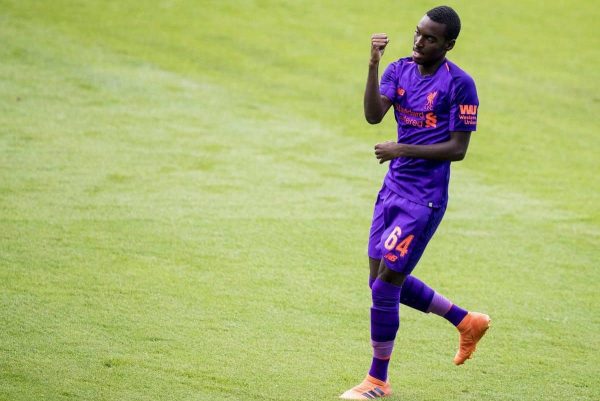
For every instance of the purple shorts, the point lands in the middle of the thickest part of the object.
(401, 230)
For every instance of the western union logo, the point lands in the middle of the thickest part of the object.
(470, 109)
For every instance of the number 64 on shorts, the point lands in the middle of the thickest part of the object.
(393, 241)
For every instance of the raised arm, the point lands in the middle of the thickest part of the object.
(376, 105)
(454, 149)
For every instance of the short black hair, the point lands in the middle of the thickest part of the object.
(447, 16)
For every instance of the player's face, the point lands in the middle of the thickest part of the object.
(430, 44)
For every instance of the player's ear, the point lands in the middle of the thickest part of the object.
(450, 44)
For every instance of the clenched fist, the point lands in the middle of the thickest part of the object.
(378, 43)
(387, 151)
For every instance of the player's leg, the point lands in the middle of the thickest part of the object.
(415, 293)
(471, 325)
(385, 320)
(418, 295)
(404, 222)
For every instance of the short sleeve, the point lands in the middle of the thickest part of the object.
(387, 87)
(464, 105)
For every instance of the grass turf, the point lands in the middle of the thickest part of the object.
(186, 189)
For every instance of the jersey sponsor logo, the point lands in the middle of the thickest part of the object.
(416, 119)
(409, 112)
(468, 114)
(469, 109)
(430, 120)
(430, 99)
(400, 91)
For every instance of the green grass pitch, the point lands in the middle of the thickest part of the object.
(186, 189)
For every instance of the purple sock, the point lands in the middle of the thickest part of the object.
(455, 315)
(416, 294)
(385, 321)
(439, 305)
(420, 296)
(379, 368)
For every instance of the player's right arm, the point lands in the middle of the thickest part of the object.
(376, 105)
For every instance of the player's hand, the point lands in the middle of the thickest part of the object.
(387, 151)
(378, 43)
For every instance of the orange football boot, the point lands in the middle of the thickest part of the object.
(471, 329)
(369, 389)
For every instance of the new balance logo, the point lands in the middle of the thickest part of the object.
(391, 257)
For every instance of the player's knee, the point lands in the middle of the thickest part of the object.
(390, 276)
(385, 296)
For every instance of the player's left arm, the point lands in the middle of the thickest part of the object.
(452, 150)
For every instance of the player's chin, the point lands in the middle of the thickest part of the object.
(418, 57)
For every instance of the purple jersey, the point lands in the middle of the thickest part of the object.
(427, 109)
